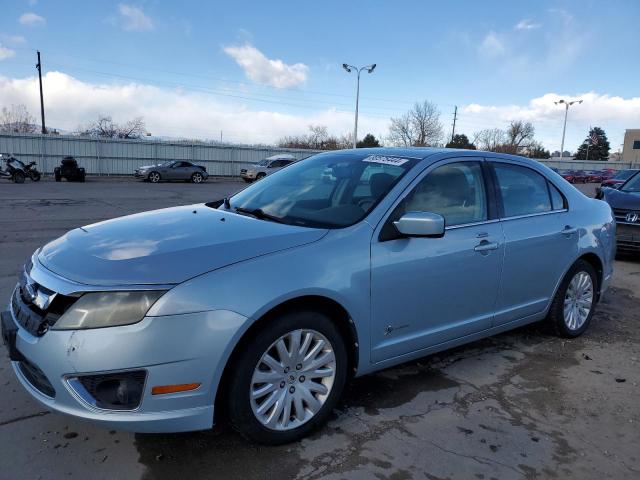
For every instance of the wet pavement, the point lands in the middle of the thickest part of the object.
(525, 404)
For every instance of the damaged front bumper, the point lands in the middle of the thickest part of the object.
(157, 351)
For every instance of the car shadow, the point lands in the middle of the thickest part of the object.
(223, 453)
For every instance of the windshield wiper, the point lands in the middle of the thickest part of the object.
(259, 214)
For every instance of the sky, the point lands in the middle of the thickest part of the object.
(252, 72)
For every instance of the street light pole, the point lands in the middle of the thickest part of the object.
(349, 69)
(566, 113)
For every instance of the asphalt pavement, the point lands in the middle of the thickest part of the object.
(524, 404)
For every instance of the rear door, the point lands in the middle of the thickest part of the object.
(540, 240)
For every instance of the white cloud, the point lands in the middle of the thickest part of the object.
(13, 39)
(71, 103)
(31, 19)
(134, 19)
(527, 25)
(261, 69)
(492, 45)
(6, 53)
(613, 113)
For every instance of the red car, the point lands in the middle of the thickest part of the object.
(619, 178)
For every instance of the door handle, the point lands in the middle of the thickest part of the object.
(485, 246)
(569, 230)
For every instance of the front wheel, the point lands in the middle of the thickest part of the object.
(287, 378)
(18, 177)
(574, 303)
(154, 177)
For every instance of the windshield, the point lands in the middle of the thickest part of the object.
(632, 185)
(262, 163)
(328, 190)
(167, 164)
(624, 174)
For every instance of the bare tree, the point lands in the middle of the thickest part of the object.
(489, 139)
(516, 139)
(318, 138)
(520, 135)
(17, 119)
(105, 127)
(419, 127)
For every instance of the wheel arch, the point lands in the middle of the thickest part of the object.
(333, 309)
(592, 259)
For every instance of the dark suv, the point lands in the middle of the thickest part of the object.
(69, 170)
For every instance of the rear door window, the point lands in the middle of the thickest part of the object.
(523, 190)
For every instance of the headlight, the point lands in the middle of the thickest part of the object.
(107, 309)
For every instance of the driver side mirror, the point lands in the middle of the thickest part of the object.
(420, 224)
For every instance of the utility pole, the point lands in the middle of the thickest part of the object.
(455, 115)
(39, 67)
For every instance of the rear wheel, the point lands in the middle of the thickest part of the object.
(154, 177)
(36, 177)
(197, 177)
(287, 378)
(574, 303)
(18, 177)
(57, 176)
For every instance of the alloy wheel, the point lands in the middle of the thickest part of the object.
(154, 177)
(292, 379)
(196, 178)
(578, 300)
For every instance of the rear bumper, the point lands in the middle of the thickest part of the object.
(177, 349)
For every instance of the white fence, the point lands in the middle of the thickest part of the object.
(122, 157)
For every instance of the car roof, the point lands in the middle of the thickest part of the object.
(281, 156)
(430, 154)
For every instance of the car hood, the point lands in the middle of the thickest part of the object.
(145, 167)
(166, 246)
(623, 200)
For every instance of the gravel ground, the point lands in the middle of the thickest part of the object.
(524, 404)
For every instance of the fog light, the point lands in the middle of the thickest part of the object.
(113, 391)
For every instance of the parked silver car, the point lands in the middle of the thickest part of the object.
(263, 305)
(173, 170)
(266, 167)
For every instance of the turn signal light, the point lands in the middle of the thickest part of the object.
(183, 387)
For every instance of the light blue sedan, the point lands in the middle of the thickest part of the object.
(262, 306)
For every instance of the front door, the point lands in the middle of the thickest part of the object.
(426, 291)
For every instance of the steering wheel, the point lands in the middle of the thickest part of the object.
(366, 203)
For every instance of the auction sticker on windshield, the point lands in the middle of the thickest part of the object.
(385, 160)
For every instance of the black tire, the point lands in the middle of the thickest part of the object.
(154, 177)
(260, 176)
(18, 177)
(81, 179)
(247, 180)
(556, 313)
(238, 405)
(197, 177)
(36, 177)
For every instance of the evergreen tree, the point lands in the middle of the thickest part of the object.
(368, 141)
(597, 145)
(460, 141)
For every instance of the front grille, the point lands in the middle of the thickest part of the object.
(243, 170)
(25, 301)
(36, 378)
(621, 216)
